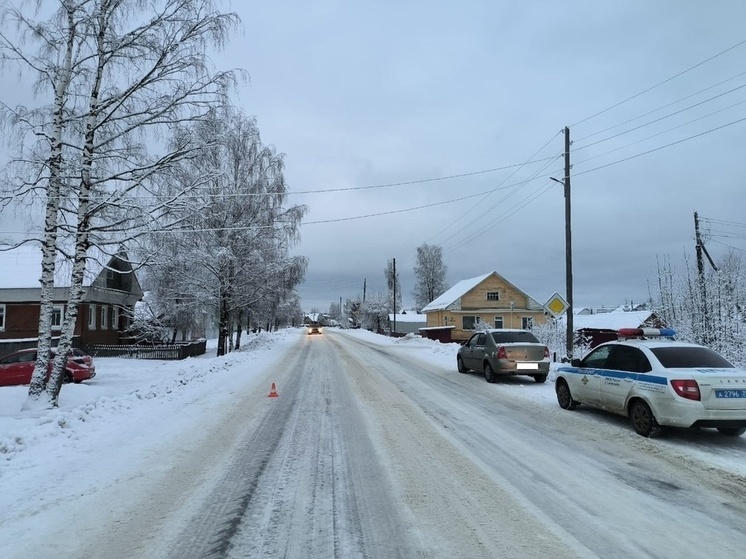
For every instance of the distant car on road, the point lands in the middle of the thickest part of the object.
(18, 367)
(657, 382)
(314, 329)
(504, 351)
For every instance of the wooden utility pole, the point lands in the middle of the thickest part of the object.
(700, 249)
(568, 248)
(394, 330)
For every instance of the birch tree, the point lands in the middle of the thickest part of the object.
(430, 275)
(237, 232)
(136, 70)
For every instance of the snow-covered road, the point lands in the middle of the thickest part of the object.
(372, 449)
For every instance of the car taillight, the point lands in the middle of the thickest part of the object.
(546, 352)
(501, 353)
(688, 389)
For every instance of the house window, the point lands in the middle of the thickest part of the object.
(469, 322)
(58, 314)
(91, 317)
(115, 318)
(527, 322)
(2, 317)
(104, 317)
(499, 322)
(493, 295)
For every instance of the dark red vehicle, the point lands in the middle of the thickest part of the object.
(18, 367)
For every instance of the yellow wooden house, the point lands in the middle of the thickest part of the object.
(490, 299)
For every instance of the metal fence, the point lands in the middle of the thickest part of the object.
(163, 351)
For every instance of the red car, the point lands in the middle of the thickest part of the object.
(18, 367)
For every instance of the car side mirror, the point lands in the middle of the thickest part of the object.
(575, 362)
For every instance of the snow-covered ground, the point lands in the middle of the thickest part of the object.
(105, 429)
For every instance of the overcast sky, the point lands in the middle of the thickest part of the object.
(360, 95)
(363, 94)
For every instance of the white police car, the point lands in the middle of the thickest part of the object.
(657, 382)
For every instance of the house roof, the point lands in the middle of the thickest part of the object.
(610, 320)
(409, 317)
(21, 267)
(464, 286)
(455, 293)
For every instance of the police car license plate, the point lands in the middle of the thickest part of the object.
(730, 394)
(526, 365)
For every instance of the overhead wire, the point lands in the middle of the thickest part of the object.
(667, 80)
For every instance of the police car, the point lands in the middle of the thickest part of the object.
(657, 382)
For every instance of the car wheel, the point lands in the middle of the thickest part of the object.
(68, 377)
(460, 364)
(540, 378)
(732, 431)
(643, 419)
(489, 374)
(564, 398)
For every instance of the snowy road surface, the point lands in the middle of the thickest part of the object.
(370, 451)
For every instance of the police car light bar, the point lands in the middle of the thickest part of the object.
(646, 332)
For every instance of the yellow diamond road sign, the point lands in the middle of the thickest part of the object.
(556, 305)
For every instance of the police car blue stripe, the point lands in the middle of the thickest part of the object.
(643, 377)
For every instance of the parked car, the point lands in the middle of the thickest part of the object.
(18, 367)
(657, 382)
(503, 351)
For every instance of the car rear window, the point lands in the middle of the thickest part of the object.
(689, 358)
(509, 337)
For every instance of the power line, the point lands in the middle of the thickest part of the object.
(498, 187)
(660, 147)
(643, 92)
(660, 108)
(661, 118)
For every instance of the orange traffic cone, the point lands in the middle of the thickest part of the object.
(273, 391)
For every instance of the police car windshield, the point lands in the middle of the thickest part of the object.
(689, 358)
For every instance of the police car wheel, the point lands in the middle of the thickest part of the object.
(564, 398)
(643, 420)
(489, 374)
(732, 431)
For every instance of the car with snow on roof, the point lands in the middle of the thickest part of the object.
(657, 382)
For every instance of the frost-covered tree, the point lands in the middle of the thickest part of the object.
(718, 320)
(430, 275)
(236, 232)
(118, 73)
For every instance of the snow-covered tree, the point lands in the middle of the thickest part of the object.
(236, 232)
(430, 275)
(120, 73)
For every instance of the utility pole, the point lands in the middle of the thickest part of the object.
(568, 248)
(700, 248)
(365, 280)
(394, 330)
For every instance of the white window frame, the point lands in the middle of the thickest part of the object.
(104, 317)
(114, 317)
(91, 317)
(496, 296)
(2, 316)
(501, 320)
(527, 322)
(58, 311)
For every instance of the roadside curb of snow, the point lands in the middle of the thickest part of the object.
(56, 423)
